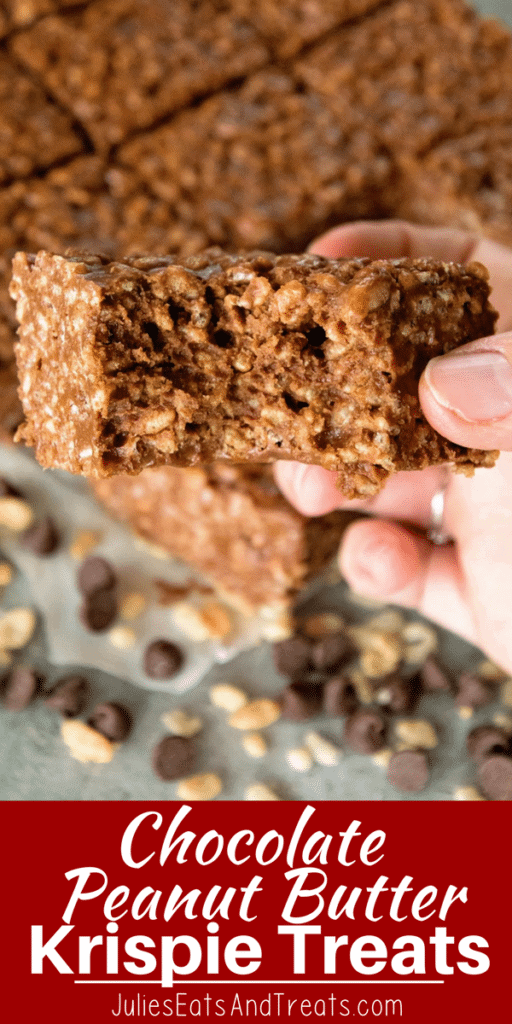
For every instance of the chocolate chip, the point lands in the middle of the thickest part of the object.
(173, 758)
(162, 659)
(472, 691)
(485, 740)
(400, 695)
(339, 696)
(68, 696)
(365, 731)
(19, 687)
(495, 777)
(332, 651)
(301, 700)
(98, 611)
(95, 574)
(292, 657)
(408, 770)
(112, 720)
(433, 677)
(41, 538)
(7, 490)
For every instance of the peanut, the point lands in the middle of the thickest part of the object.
(180, 723)
(86, 744)
(228, 697)
(256, 715)
(199, 787)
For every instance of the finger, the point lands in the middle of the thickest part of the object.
(466, 395)
(498, 261)
(393, 239)
(385, 561)
(396, 238)
(314, 492)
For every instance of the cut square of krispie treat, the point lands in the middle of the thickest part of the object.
(149, 361)
(266, 165)
(232, 524)
(121, 65)
(93, 203)
(424, 75)
(85, 203)
(290, 25)
(34, 131)
(465, 182)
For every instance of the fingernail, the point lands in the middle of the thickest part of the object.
(477, 386)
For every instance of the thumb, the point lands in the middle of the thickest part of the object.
(466, 395)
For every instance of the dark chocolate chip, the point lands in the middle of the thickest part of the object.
(365, 731)
(41, 538)
(301, 700)
(433, 677)
(485, 740)
(408, 770)
(401, 695)
(472, 691)
(332, 651)
(98, 611)
(173, 758)
(339, 696)
(495, 777)
(7, 490)
(292, 657)
(162, 659)
(19, 687)
(68, 696)
(112, 720)
(95, 574)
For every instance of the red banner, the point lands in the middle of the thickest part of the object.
(255, 911)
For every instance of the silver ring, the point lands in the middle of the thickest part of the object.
(436, 532)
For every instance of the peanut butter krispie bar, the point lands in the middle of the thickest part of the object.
(121, 65)
(232, 524)
(149, 361)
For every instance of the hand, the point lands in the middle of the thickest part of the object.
(467, 397)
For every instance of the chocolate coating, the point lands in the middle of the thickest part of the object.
(365, 731)
(495, 777)
(433, 677)
(7, 490)
(485, 740)
(173, 758)
(332, 651)
(68, 696)
(94, 574)
(112, 720)
(339, 697)
(162, 659)
(402, 695)
(408, 771)
(98, 611)
(301, 700)
(292, 657)
(472, 691)
(18, 688)
(42, 537)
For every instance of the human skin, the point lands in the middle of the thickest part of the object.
(466, 396)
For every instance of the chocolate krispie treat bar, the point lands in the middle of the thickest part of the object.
(149, 361)
(121, 65)
(34, 131)
(232, 524)
(290, 25)
(266, 165)
(432, 83)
